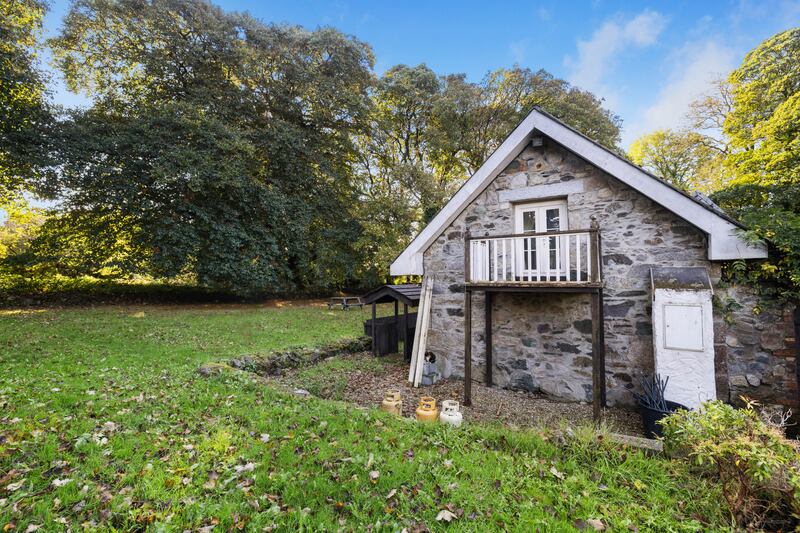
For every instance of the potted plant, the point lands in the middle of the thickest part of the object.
(653, 406)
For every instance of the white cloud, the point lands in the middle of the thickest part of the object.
(544, 13)
(518, 50)
(597, 56)
(695, 66)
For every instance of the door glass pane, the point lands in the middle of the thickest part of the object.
(529, 253)
(553, 219)
(553, 253)
(528, 221)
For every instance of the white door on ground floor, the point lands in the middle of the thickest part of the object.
(683, 338)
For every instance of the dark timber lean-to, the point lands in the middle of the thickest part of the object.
(386, 332)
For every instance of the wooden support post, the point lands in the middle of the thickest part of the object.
(488, 338)
(467, 347)
(601, 310)
(396, 324)
(602, 349)
(406, 346)
(374, 330)
(598, 365)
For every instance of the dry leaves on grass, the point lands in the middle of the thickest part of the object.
(593, 523)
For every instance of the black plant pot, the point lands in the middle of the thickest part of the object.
(651, 418)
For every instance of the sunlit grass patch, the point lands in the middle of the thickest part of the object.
(106, 423)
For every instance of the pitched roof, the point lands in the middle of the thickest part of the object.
(725, 241)
(408, 294)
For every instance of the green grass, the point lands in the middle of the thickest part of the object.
(106, 424)
(328, 379)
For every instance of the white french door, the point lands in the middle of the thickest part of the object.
(541, 256)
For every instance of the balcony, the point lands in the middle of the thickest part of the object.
(557, 260)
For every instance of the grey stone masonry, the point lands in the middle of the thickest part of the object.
(542, 342)
(755, 343)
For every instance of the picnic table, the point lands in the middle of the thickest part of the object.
(346, 302)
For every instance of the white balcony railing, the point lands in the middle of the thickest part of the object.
(555, 257)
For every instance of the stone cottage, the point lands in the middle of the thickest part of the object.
(561, 267)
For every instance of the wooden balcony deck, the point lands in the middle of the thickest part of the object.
(558, 261)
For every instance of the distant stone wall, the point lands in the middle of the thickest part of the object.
(542, 342)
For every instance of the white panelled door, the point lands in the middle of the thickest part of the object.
(540, 256)
(683, 340)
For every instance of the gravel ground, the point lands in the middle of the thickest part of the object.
(514, 408)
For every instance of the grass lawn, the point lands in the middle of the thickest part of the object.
(106, 424)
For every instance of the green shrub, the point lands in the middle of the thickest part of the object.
(757, 467)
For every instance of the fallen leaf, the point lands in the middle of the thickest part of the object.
(264, 437)
(391, 494)
(374, 475)
(249, 467)
(446, 515)
(61, 482)
(11, 487)
(598, 525)
(555, 472)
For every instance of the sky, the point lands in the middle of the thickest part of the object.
(648, 61)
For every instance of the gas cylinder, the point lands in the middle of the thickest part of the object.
(427, 411)
(450, 413)
(392, 403)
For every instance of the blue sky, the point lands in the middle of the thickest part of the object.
(648, 60)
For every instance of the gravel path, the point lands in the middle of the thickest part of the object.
(514, 408)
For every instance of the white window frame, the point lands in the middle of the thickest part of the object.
(543, 246)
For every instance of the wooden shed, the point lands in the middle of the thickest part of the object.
(386, 332)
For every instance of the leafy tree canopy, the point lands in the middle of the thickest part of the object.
(764, 131)
(216, 145)
(764, 124)
(23, 109)
(257, 157)
(680, 157)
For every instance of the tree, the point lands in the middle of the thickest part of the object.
(763, 127)
(683, 158)
(707, 115)
(24, 112)
(770, 212)
(215, 145)
(20, 226)
(764, 123)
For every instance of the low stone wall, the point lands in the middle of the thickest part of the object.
(757, 350)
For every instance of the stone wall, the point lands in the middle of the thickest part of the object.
(757, 349)
(542, 342)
